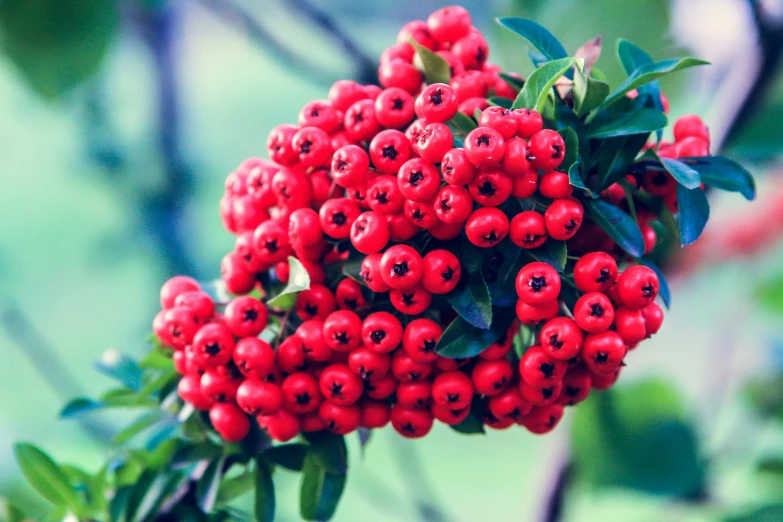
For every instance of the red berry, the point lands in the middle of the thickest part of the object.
(422, 214)
(563, 218)
(371, 273)
(301, 393)
(561, 338)
(515, 161)
(384, 195)
(245, 316)
(394, 108)
(219, 385)
(340, 418)
(529, 122)
(349, 166)
(402, 74)
(400, 227)
(401, 267)
(342, 331)
(490, 187)
(373, 414)
(637, 286)
(653, 318)
(175, 286)
(472, 50)
(449, 24)
(593, 312)
(311, 334)
(340, 385)
(492, 377)
(456, 168)
(290, 355)
(453, 390)
(595, 272)
(555, 184)
(369, 364)
(321, 114)
(406, 369)
(389, 149)
(411, 423)
(313, 146)
(509, 405)
(370, 232)
(541, 396)
(486, 227)
(229, 421)
(304, 228)
(270, 242)
(254, 358)
(448, 416)
(470, 85)
(435, 142)
(348, 295)
(442, 271)
(382, 388)
(317, 302)
(543, 419)
(547, 149)
(630, 325)
(336, 217)
(420, 338)
(525, 185)
(381, 332)
(258, 397)
(281, 426)
(345, 93)
(410, 301)
(527, 230)
(360, 122)
(576, 387)
(603, 352)
(500, 119)
(437, 103)
(688, 126)
(693, 147)
(415, 394)
(213, 344)
(535, 315)
(485, 147)
(198, 302)
(538, 368)
(279, 145)
(189, 390)
(418, 180)
(537, 283)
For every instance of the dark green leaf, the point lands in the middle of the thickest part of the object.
(771, 465)
(694, 213)
(499, 101)
(632, 57)
(648, 73)
(537, 35)
(234, 487)
(616, 155)
(642, 121)
(234, 514)
(575, 178)
(513, 81)
(681, 172)
(572, 148)
(618, 225)
(474, 422)
(552, 252)
(471, 300)
(588, 92)
(538, 86)
(208, 485)
(434, 67)
(330, 450)
(461, 339)
(78, 407)
(298, 280)
(463, 123)
(46, 477)
(121, 368)
(194, 452)
(149, 492)
(663, 291)
(771, 513)
(264, 503)
(321, 491)
(290, 456)
(723, 173)
(501, 286)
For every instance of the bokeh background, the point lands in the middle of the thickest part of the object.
(121, 118)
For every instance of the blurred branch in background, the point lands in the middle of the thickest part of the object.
(556, 484)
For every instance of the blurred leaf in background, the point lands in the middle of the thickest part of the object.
(55, 44)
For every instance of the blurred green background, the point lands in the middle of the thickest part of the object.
(122, 118)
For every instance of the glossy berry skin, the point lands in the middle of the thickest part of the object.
(281, 426)
(180, 325)
(411, 423)
(290, 355)
(410, 301)
(449, 24)
(449, 417)
(515, 161)
(529, 122)
(576, 387)
(313, 146)
(384, 196)
(453, 204)
(690, 126)
(394, 108)
(311, 335)
(485, 147)
(189, 390)
(653, 318)
(415, 394)
(400, 227)
(175, 286)
(499, 119)
(336, 217)
(245, 316)
(538, 368)
(321, 114)
(418, 180)
(229, 421)
(486, 227)
(535, 315)
(453, 390)
(279, 145)
(638, 286)
(369, 364)
(360, 122)
(349, 166)
(541, 395)
(547, 149)
(317, 302)
(339, 418)
(555, 184)
(407, 369)
(472, 50)
(259, 398)
(595, 272)
(304, 228)
(340, 385)
(348, 295)
(219, 386)
(373, 414)
(543, 419)
(525, 185)
(594, 312)
(492, 377)
(213, 344)
(381, 332)
(456, 168)
(630, 325)
(437, 103)
(342, 331)
(490, 187)
(436, 140)
(422, 214)
(370, 232)
(537, 283)
(254, 358)
(442, 271)
(563, 218)
(301, 393)
(401, 267)
(345, 93)
(389, 149)
(509, 405)
(401, 74)
(371, 273)
(603, 352)
(561, 338)
(380, 389)
(420, 338)
(528, 230)
(270, 242)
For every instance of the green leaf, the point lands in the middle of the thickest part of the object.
(537, 35)
(538, 86)
(771, 513)
(470, 299)
(57, 45)
(461, 339)
(298, 280)
(320, 491)
(588, 92)
(9, 512)
(513, 81)
(663, 290)
(575, 179)
(571, 141)
(80, 406)
(642, 121)
(694, 213)
(637, 437)
(208, 485)
(463, 123)
(618, 225)
(290, 456)
(771, 465)
(434, 67)
(46, 477)
(264, 503)
(474, 422)
(121, 368)
(499, 101)
(682, 173)
(195, 452)
(141, 424)
(330, 450)
(551, 252)
(500, 281)
(614, 158)
(723, 173)
(148, 494)
(632, 57)
(646, 74)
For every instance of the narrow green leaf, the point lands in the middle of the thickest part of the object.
(298, 280)
(434, 67)
(208, 485)
(538, 86)
(463, 123)
(632, 57)
(648, 73)
(723, 173)
(143, 422)
(537, 35)
(575, 179)
(149, 492)
(663, 289)
(320, 491)
(513, 81)
(195, 452)
(290, 456)
(499, 101)
(461, 339)
(264, 503)
(471, 300)
(234, 487)
(330, 450)
(572, 148)
(121, 368)
(694, 213)
(46, 477)
(642, 121)
(618, 225)
(500, 279)
(551, 252)
(474, 422)
(684, 174)
(589, 93)
(78, 407)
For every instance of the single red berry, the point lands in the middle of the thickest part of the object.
(254, 358)
(401, 267)
(370, 232)
(304, 228)
(411, 423)
(301, 393)
(290, 355)
(292, 189)
(313, 146)
(541, 395)
(380, 389)
(436, 140)
(311, 334)
(449, 24)
(529, 122)
(422, 214)
(593, 312)
(456, 168)
(555, 184)
(472, 50)
(348, 295)
(414, 132)
(311, 422)
(453, 204)
(485, 147)
(340, 418)
(198, 302)
(501, 347)
(470, 85)
(576, 387)
(394, 107)
(595, 272)
(561, 338)
(419, 32)
(245, 316)
(317, 302)
(389, 149)
(418, 180)
(500, 119)
(453, 390)
(547, 149)
(416, 394)
(543, 419)
(349, 166)
(213, 344)
(515, 158)
(189, 390)
(693, 146)
(342, 330)
(527, 230)
(525, 185)
(371, 274)
(175, 286)
(410, 301)
(369, 364)
(630, 325)
(337, 216)
(538, 368)
(220, 386)
(407, 369)
(445, 231)
(535, 315)
(373, 414)
(384, 195)
(400, 73)
(658, 182)
(420, 338)
(258, 397)
(340, 385)
(448, 416)
(653, 318)
(638, 286)
(229, 421)
(345, 93)
(381, 332)
(281, 426)
(603, 352)
(442, 271)
(279, 145)
(486, 227)
(321, 114)
(400, 227)
(360, 122)
(690, 125)
(492, 377)
(490, 187)
(563, 218)
(509, 405)
(437, 103)
(270, 242)
(537, 283)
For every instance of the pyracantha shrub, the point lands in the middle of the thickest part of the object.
(459, 245)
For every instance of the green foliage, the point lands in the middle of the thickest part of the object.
(298, 280)
(694, 213)
(621, 227)
(542, 39)
(642, 121)
(471, 300)
(461, 339)
(434, 67)
(539, 85)
(47, 478)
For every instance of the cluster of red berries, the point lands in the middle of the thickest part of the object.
(380, 178)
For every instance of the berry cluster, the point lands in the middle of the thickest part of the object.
(377, 194)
